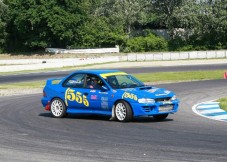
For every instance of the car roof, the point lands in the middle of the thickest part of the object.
(97, 72)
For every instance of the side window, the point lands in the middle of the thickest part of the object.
(93, 82)
(75, 81)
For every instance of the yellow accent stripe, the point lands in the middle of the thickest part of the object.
(66, 93)
(112, 74)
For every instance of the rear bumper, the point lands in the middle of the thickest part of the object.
(45, 101)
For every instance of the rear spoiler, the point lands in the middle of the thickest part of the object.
(53, 81)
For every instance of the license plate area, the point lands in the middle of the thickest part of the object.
(165, 108)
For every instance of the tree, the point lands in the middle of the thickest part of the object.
(213, 32)
(203, 23)
(125, 13)
(165, 10)
(3, 20)
(36, 24)
(98, 30)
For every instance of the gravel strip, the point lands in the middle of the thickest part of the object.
(18, 91)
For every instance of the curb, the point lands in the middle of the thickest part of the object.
(210, 110)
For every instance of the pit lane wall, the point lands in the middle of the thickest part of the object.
(35, 64)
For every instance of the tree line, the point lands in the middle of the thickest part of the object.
(33, 25)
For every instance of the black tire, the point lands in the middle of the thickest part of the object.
(160, 117)
(58, 108)
(123, 111)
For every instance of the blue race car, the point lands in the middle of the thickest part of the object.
(107, 92)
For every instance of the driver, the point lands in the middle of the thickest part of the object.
(94, 84)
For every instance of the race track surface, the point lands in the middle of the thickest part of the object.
(133, 70)
(28, 133)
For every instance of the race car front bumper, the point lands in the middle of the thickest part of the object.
(154, 109)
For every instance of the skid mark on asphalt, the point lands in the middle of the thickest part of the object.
(210, 110)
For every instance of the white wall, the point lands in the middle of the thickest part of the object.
(34, 64)
(161, 56)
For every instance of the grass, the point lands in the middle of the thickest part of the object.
(23, 85)
(146, 77)
(223, 103)
(54, 69)
(180, 76)
(38, 71)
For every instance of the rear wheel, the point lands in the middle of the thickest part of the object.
(58, 108)
(123, 111)
(160, 117)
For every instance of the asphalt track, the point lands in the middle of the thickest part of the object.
(59, 74)
(28, 133)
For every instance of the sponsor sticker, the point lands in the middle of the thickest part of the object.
(74, 82)
(167, 92)
(130, 96)
(153, 90)
(94, 97)
(112, 74)
(104, 102)
(104, 98)
(114, 91)
(103, 92)
(161, 94)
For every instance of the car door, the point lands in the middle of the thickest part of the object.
(97, 94)
(73, 89)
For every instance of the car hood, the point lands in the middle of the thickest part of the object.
(149, 92)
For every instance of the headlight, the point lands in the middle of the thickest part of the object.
(146, 100)
(173, 98)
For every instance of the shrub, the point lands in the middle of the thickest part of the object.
(146, 44)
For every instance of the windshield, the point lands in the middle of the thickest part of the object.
(123, 81)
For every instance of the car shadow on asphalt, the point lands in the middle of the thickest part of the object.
(79, 116)
(150, 120)
(106, 118)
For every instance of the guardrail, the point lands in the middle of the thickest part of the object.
(81, 51)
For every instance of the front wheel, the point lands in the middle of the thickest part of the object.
(123, 111)
(58, 108)
(160, 117)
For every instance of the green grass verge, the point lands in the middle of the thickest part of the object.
(23, 85)
(180, 76)
(55, 69)
(146, 77)
(223, 103)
